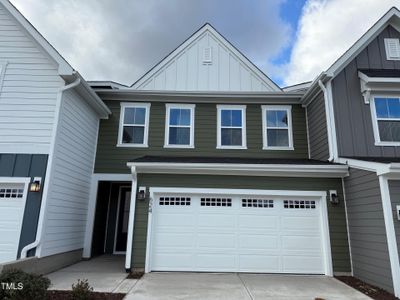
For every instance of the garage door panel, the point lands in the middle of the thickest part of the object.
(174, 240)
(263, 235)
(217, 241)
(216, 220)
(216, 261)
(258, 241)
(296, 264)
(255, 221)
(302, 242)
(260, 263)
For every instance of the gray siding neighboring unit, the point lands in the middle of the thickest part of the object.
(317, 131)
(367, 231)
(352, 116)
(394, 188)
(26, 165)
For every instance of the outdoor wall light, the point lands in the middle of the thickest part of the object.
(333, 197)
(35, 185)
(141, 195)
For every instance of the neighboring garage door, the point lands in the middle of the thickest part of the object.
(12, 205)
(227, 233)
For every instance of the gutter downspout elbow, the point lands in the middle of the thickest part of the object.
(38, 240)
(328, 120)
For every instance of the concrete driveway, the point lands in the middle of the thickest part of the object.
(204, 286)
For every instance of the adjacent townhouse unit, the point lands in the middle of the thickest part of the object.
(353, 111)
(49, 119)
(204, 164)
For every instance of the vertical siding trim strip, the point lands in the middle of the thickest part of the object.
(131, 221)
(347, 227)
(390, 234)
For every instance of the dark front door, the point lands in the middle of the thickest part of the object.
(121, 232)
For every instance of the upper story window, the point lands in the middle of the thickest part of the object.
(277, 127)
(386, 120)
(231, 131)
(134, 125)
(179, 127)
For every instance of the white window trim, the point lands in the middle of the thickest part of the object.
(146, 124)
(243, 127)
(168, 107)
(375, 126)
(288, 109)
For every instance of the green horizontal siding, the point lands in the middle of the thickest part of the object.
(112, 159)
(337, 219)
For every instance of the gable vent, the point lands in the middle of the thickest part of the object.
(207, 55)
(392, 49)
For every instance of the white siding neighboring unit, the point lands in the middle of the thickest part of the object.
(28, 90)
(74, 153)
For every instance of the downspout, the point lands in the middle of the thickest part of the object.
(49, 168)
(328, 120)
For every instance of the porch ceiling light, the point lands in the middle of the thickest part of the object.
(35, 185)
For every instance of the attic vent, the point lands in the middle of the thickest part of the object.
(392, 49)
(207, 55)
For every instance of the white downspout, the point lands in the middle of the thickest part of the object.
(328, 120)
(49, 169)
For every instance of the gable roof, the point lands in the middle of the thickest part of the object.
(207, 29)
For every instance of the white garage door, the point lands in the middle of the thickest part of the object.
(12, 205)
(236, 234)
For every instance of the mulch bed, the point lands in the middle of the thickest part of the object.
(369, 290)
(66, 295)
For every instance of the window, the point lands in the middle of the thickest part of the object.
(277, 127)
(225, 202)
(231, 132)
(261, 203)
(179, 127)
(134, 125)
(386, 115)
(299, 204)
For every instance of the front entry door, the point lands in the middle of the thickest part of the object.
(121, 228)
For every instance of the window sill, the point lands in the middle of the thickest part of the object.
(387, 144)
(279, 148)
(178, 146)
(132, 145)
(232, 147)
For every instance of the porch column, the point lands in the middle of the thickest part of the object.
(131, 222)
(87, 247)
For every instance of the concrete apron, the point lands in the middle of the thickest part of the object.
(104, 273)
(204, 286)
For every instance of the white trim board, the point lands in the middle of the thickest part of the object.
(390, 234)
(320, 195)
(289, 170)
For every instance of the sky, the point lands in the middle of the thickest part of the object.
(292, 41)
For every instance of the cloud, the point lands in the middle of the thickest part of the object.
(120, 40)
(326, 30)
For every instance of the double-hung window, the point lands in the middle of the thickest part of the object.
(386, 120)
(277, 127)
(231, 129)
(134, 125)
(179, 127)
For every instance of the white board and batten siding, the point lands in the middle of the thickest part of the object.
(68, 196)
(29, 87)
(206, 62)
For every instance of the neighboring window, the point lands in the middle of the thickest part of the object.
(277, 127)
(231, 127)
(225, 202)
(134, 125)
(387, 120)
(392, 47)
(179, 128)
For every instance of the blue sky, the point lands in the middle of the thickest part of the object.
(292, 41)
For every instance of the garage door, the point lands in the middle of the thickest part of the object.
(12, 204)
(226, 233)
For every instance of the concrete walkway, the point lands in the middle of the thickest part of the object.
(203, 286)
(105, 274)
